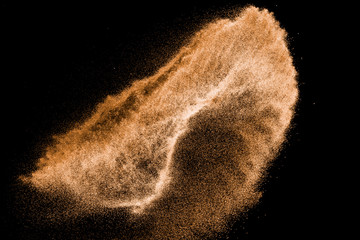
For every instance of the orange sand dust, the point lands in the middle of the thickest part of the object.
(201, 130)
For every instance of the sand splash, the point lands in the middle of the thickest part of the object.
(201, 130)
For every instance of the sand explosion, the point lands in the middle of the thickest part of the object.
(199, 132)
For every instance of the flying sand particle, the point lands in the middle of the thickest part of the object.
(189, 144)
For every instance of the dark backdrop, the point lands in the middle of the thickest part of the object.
(59, 60)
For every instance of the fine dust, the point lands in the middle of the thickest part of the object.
(186, 148)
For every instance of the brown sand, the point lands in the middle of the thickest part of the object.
(189, 145)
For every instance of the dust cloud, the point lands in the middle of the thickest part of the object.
(188, 146)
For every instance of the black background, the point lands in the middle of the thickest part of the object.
(59, 60)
